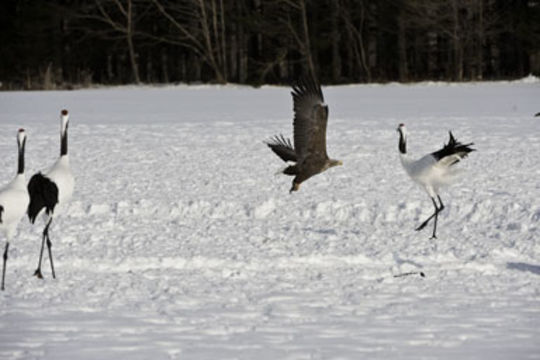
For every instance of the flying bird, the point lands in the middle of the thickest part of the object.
(50, 192)
(433, 170)
(308, 155)
(13, 201)
(537, 114)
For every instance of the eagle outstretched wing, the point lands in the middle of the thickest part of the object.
(282, 147)
(310, 119)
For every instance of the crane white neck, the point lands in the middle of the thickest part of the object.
(64, 133)
(21, 144)
(402, 140)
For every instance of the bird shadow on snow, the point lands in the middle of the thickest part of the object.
(535, 269)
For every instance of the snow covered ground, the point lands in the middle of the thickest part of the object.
(180, 243)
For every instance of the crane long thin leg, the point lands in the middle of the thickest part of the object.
(38, 270)
(439, 209)
(441, 206)
(49, 245)
(4, 267)
(45, 236)
(423, 225)
(434, 236)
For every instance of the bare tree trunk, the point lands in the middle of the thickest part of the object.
(183, 68)
(456, 43)
(196, 31)
(259, 36)
(233, 53)
(126, 27)
(372, 54)
(164, 66)
(351, 72)
(336, 57)
(363, 53)
(431, 54)
(357, 62)
(284, 67)
(109, 68)
(223, 41)
(242, 55)
(129, 38)
(119, 68)
(149, 69)
(133, 61)
(28, 79)
(47, 81)
(402, 49)
(480, 42)
(203, 22)
(210, 49)
(215, 28)
(308, 54)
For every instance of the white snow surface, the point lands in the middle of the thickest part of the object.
(181, 243)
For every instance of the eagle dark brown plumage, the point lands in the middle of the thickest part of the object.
(310, 120)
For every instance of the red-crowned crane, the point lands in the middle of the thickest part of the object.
(13, 201)
(49, 192)
(433, 170)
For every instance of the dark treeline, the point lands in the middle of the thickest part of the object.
(57, 44)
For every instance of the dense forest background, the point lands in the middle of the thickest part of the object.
(72, 43)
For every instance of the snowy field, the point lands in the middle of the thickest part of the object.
(181, 243)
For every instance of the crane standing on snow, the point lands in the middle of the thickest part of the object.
(51, 191)
(13, 201)
(433, 170)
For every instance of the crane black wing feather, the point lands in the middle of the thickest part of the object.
(43, 194)
(453, 147)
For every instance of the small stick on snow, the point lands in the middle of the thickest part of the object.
(421, 273)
